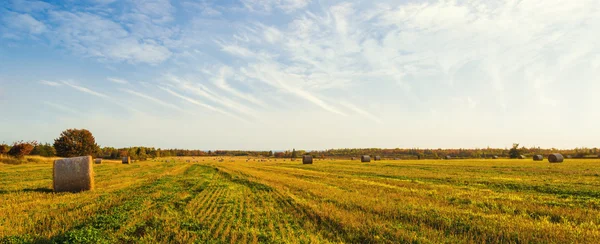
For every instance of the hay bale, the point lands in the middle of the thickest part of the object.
(538, 158)
(307, 159)
(98, 161)
(448, 157)
(73, 174)
(569, 156)
(377, 158)
(365, 158)
(522, 157)
(353, 158)
(494, 157)
(126, 160)
(556, 158)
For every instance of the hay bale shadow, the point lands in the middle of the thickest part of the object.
(40, 190)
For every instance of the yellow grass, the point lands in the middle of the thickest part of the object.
(235, 201)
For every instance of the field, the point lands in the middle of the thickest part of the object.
(235, 200)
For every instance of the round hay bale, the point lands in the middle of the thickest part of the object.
(495, 157)
(377, 158)
(365, 158)
(126, 160)
(73, 174)
(448, 157)
(353, 158)
(538, 158)
(522, 157)
(569, 156)
(556, 158)
(307, 159)
(98, 161)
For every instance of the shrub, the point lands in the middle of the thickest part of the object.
(21, 149)
(4, 149)
(74, 142)
(44, 150)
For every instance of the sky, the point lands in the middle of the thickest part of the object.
(304, 74)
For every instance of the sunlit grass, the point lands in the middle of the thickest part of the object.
(233, 201)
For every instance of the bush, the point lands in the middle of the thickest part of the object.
(44, 150)
(4, 149)
(514, 151)
(74, 142)
(21, 149)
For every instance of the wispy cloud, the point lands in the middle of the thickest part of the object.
(155, 100)
(200, 104)
(203, 91)
(221, 82)
(50, 83)
(272, 75)
(61, 107)
(100, 95)
(87, 90)
(360, 111)
(118, 80)
(24, 23)
(270, 5)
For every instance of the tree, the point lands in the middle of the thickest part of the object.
(514, 151)
(4, 148)
(21, 149)
(74, 142)
(294, 153)
(44, 150)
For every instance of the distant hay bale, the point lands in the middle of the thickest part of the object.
(98, 161)
(73, 174)
(353, 158)
(569, 156)
(448, 157)
(126, 160)
(494, 157)
(307, 159)
(556, 158)
(365, 158)
(377, 158)
(522, 157)
(538, 158)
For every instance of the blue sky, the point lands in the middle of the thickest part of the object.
(280, 74)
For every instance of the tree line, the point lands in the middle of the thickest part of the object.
(79, 142)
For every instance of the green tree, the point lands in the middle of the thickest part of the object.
(74, 142)
(44, 150)
(514, 152)
(294, 153)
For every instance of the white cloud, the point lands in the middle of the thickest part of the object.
(118, 80)
(50, 83)
(360, 111)
(274, 76)
(221, 81)
(95, 36)
(87, 90)
(203, 91)
(24, 23)
(29, 6)
(237, 50)
(159, 10)
(270, 5)
(62, 108)
(155, 100)
(201, 104)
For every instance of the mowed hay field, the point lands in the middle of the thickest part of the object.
(276, 201)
